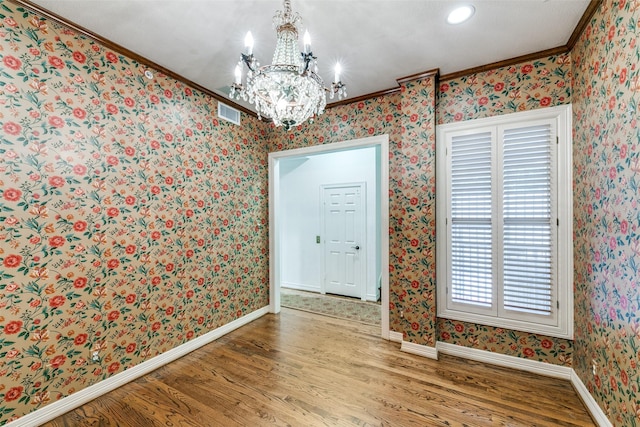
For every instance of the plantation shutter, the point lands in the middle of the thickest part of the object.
(529, 219)
(471, 220)
(504, 221)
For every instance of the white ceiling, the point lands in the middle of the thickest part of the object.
(375, 41)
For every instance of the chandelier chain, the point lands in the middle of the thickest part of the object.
(287, 8)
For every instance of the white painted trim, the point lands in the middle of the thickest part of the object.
(533, 366)
(274, 251)
(541, 368)
(83, 396)
(300, 287)
(384, 235)
(419, 349)
(370, 298)
(316, 289)
(395, 336)
(597, 413)
(332, 147)
(381, 141)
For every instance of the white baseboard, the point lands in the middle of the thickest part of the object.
(83, 396)
(419, 349)
(316, 289)
(409, 347)
(371, 298)
(498, 359)
(55, 409)
(300, 287)
(533, 366)
(597, 413)
(395, 336)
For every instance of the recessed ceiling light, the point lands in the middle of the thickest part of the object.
(460, 14)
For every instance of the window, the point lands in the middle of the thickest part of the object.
(504, 223)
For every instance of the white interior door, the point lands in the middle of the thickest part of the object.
(344, 233)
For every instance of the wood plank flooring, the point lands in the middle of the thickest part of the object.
(303, 369)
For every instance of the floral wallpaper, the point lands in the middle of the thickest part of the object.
(131, 219)
(408, 117)
(526, 86)
(375, 116)
(606, 213)
(413, 240)
(535, 84)
(541, 348)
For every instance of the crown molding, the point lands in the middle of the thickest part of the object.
(577, 32)
(364, 97)
(430, 73)
(582, 24)
(506, 62)
(124, 51)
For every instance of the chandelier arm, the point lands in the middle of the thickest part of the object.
(307, 58)
(249, 61)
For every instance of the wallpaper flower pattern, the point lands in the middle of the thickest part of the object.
(530, 85)
(606, 213)
(409, 119)
(131, 220)
(412, 251)
(527, 86)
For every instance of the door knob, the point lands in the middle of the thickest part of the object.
(355, 247)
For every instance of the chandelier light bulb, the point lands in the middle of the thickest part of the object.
(248, 43)
(238, 74)
(307, 42)
(338, 70)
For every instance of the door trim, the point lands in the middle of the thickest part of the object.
(381, 141)
(364, 279)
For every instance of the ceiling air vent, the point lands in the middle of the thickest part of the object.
(228, 113)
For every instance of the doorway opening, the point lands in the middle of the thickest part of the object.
(369, 262)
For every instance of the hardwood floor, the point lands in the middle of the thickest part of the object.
(303, 369)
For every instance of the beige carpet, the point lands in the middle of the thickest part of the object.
(331, 305)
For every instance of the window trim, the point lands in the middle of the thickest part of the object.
(563, 328)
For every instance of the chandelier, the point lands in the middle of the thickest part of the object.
(289, 91)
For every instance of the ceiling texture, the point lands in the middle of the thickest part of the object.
(375, 41)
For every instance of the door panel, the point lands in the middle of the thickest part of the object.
(344, 232)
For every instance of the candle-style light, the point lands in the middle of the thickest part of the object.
(307, 42)
(238, 74)
(248, 43)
